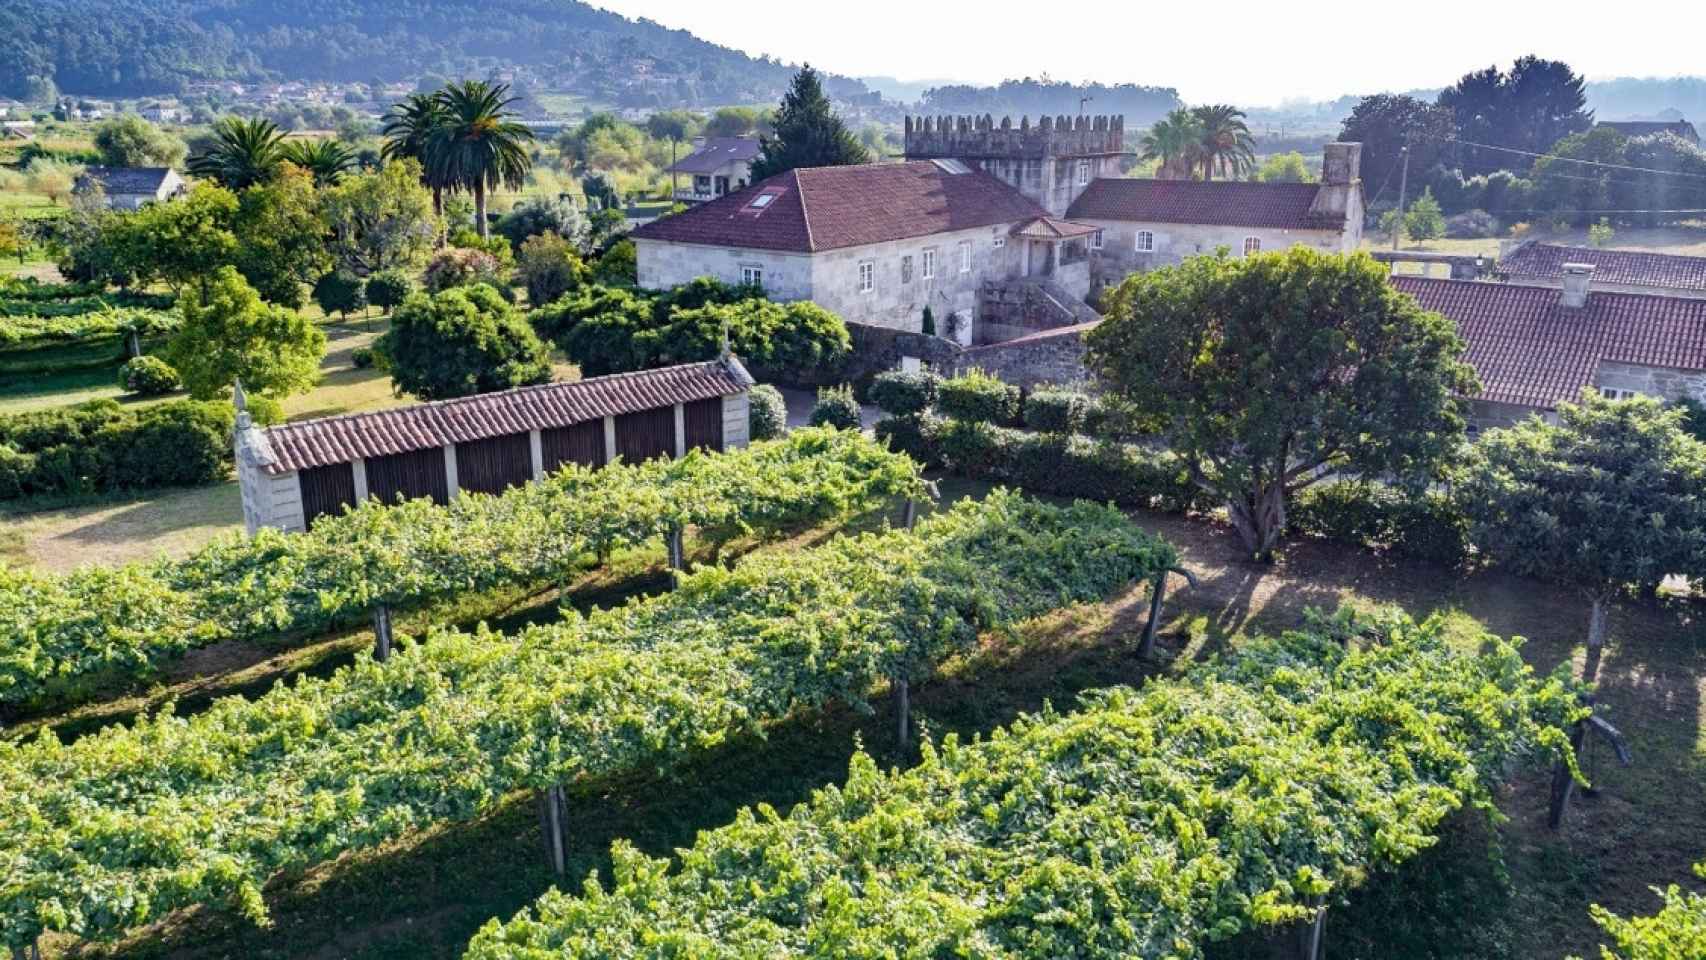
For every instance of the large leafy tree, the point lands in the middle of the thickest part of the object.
(1226, 148)
(229, 334)
(807, 133)
(1386, 124)
(1536, 104)
(1265, 371)
(1173, 142)
(130, 141)
(181, 241)
(381, 220)
(283, 237)
(325, 160)
(409, 128)
(242, 153)
(479, 147)
(462, 341)
(1606, 499)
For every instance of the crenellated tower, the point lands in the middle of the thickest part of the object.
(1050, 161)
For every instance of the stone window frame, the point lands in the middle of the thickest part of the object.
(927, 264)
(1252, 244)
(1083, 172)
(965, 256)
(867, 276)
(1145, 242)
(1097, 240)
(752, 274)
(1615, 393)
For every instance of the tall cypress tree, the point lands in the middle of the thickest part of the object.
(807, 134)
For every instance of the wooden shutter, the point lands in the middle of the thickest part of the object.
(326, 490)
(418, 473)
(703, 422)
(582, 443)
(495, 464)
(645, 435)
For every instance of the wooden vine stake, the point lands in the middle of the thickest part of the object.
(382, 632)
(677, 554)
(551, 824)
(1158, 593)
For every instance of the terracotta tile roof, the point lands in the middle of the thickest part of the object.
(1051, 228)
(1529, 349)
(126, 180)
(1545, 261)
(1220, 203)
(315, 443)
(716, 152)
(827, 208)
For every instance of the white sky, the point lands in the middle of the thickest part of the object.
(1244, 52)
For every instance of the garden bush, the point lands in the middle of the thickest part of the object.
(462, 267)
(904, 394)
(767, 413)
(1426, 526)
(836, 407)
(1056, 410)
(361, 358)
(340, 292)
(148, 376)
(387, 289)
(101, 446)
(459, 342)
(977, 396)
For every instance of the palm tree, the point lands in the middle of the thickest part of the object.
(244, 153)
(1175, 141)
(327, 160)
(1226, 142)
(478, 147)
(409, 129)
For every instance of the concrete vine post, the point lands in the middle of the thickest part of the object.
(903, 712)
(1309, 937)
(910, 516)
(382, 632)
(551, 824)
(677, 554)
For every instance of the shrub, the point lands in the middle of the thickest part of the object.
(977, 396)
(340, 292)
(767, 413)
(537, 216)
(148, 376)
(461, 267)
(1426, 526)
(459, 342)
(102, 446)
(836, 407)
(361, 358)
(387, 289)
(904, 394)
(1472, 225)
(619, 265)
(17, 469)
(1601, 233)
(1055, 410)
(549, 268)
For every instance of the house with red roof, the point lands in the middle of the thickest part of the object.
(717, 166)
(1630, 271)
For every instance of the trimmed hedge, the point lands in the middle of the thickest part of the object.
(979, 397)
(836, 407)
(767, 413)
(905, 394)
(101, 446)
(1428, 526)
(1054, 410)
(148, 376)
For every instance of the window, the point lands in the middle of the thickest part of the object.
(999, 242)
(965, 256)
(1252, 245)
(1145, 241)
(867, 276)
(906, 269)
(930, 263)
(762, 200)
(752, 274)
(1096, 240)
(1612, 393)
(1083, 172)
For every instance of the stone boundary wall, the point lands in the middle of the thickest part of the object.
(1050, 356)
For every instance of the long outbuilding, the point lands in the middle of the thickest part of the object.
(293, 473)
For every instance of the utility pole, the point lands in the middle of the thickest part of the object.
(1403, 185)
(672, 188)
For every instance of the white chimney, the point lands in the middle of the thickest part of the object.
(698, 143)
(1578, 279)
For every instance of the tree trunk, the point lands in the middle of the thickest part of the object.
(1259, 518)
(1564, 782)
(1146, 649)
(1596, 640)
(480, 210)
(903, 712)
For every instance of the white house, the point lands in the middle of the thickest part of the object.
(717, 166)
(129, 188)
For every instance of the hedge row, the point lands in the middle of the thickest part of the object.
(1147, 824)
(62, 637)
(1427, 525)
(979, 397)
(101, 446)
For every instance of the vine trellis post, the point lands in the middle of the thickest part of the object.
(1158, 593)
(677, 552)
(1309, 937)
(1563, 781)
(551, 816)
(903, 688)
(382, 632)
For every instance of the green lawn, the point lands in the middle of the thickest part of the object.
(422, 898)
(1685, 240)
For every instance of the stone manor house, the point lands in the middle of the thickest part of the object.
(1000, 230)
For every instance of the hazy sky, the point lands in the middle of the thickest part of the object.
(1247, 53)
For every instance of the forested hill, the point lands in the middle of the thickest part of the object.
(137, 47)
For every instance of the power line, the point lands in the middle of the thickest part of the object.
(1588, 163)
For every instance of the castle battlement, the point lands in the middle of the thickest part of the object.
(980, 138)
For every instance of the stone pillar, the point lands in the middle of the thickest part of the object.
(452, 488)
(358, 467)
(609, 439)
(536, 451)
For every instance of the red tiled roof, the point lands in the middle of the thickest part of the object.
(1529, 349)
(1220, 203)
(1546, 261)
(316, 443)
(1051, 228)
(827, 208)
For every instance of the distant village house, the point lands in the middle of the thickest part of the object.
(130, 188)
(717, 166)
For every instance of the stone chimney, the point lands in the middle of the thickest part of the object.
(698, 143)
(1578, 282)
(1339, 197)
